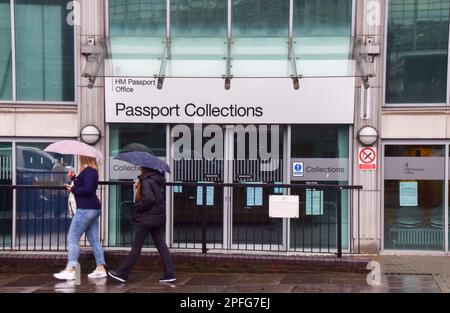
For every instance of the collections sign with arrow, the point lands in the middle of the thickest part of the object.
(367, 158)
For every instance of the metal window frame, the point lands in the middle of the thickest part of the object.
(385, 104)
(445, 144)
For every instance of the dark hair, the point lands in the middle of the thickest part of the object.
(146, 170)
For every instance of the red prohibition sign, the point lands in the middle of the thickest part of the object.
(367, 155)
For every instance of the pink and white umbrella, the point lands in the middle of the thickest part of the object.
(74, 147)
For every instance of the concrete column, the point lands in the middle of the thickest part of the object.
(369, 23)
(91, 101)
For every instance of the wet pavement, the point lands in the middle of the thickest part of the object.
(147, 282)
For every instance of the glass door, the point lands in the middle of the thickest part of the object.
(257, 160)
(197, 153)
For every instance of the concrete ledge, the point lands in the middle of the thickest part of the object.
(24, 263)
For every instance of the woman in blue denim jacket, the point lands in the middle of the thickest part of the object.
(85, 220)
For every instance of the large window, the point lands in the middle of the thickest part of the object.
(414, 197)
(43, 52)
(132, 137)
(323, 153)
(5, 51)
(417, 51)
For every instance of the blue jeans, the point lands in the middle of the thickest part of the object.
(84, 221)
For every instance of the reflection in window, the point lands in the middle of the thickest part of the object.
(414, 208)
(417, 51)
(414, 151)
(37, 167)
(143, 18)
(6, 195)
(319, 141)
(414, 215)
(5, 51)
(321, 18)
(318, 232)
(41, 211)
(44, 51)
(198, 18)
(263, 18)
(150, 138)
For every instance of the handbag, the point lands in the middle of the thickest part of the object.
(71, 203)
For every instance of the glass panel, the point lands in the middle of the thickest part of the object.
(313, 232)
(193, 164)
(44, 51)
(260, 32)
(414, 151)
(414, 208)
(137, 31)
(42, 219)
(137, 18)
(198, 31)
(5, 51)
(197, 57)
(414, 215)
(322, 34)
(417, 51)
(133, 137)
(263, 18)
(319, 141)
(322, 18)
(198, 18)
(6, 195)
(260, 57)
(254, 146)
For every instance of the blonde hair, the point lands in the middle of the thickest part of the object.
(88, 161)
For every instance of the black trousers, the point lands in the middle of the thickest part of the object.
(157, 233)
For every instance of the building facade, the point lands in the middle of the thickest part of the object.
(239, 91)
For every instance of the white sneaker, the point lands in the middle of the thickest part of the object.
(98, 274)
(65, 275)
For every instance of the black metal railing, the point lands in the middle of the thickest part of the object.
(205, 216)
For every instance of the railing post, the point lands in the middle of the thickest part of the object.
(77, 274)
(204, 220)
(339, 222)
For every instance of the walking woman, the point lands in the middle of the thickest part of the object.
(85, 220)
(149, 216)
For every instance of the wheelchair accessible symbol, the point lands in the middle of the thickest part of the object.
(297, 169)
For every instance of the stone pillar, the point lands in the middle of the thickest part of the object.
(370, 16)
(91, 100)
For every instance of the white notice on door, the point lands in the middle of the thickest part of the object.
(283, 206)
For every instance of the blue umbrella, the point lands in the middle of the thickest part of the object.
(145, 159)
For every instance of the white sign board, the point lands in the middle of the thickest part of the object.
(120, 170)
(367, 158)
(249, 101)
(284, 206)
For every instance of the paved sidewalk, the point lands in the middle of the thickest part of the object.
(437, 267)
(146, 282)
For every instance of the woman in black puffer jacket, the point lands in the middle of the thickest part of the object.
(149, 216)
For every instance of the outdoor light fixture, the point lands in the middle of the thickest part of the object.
(90, 134)
(160, 83)
(227, 83)
(367, 136)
